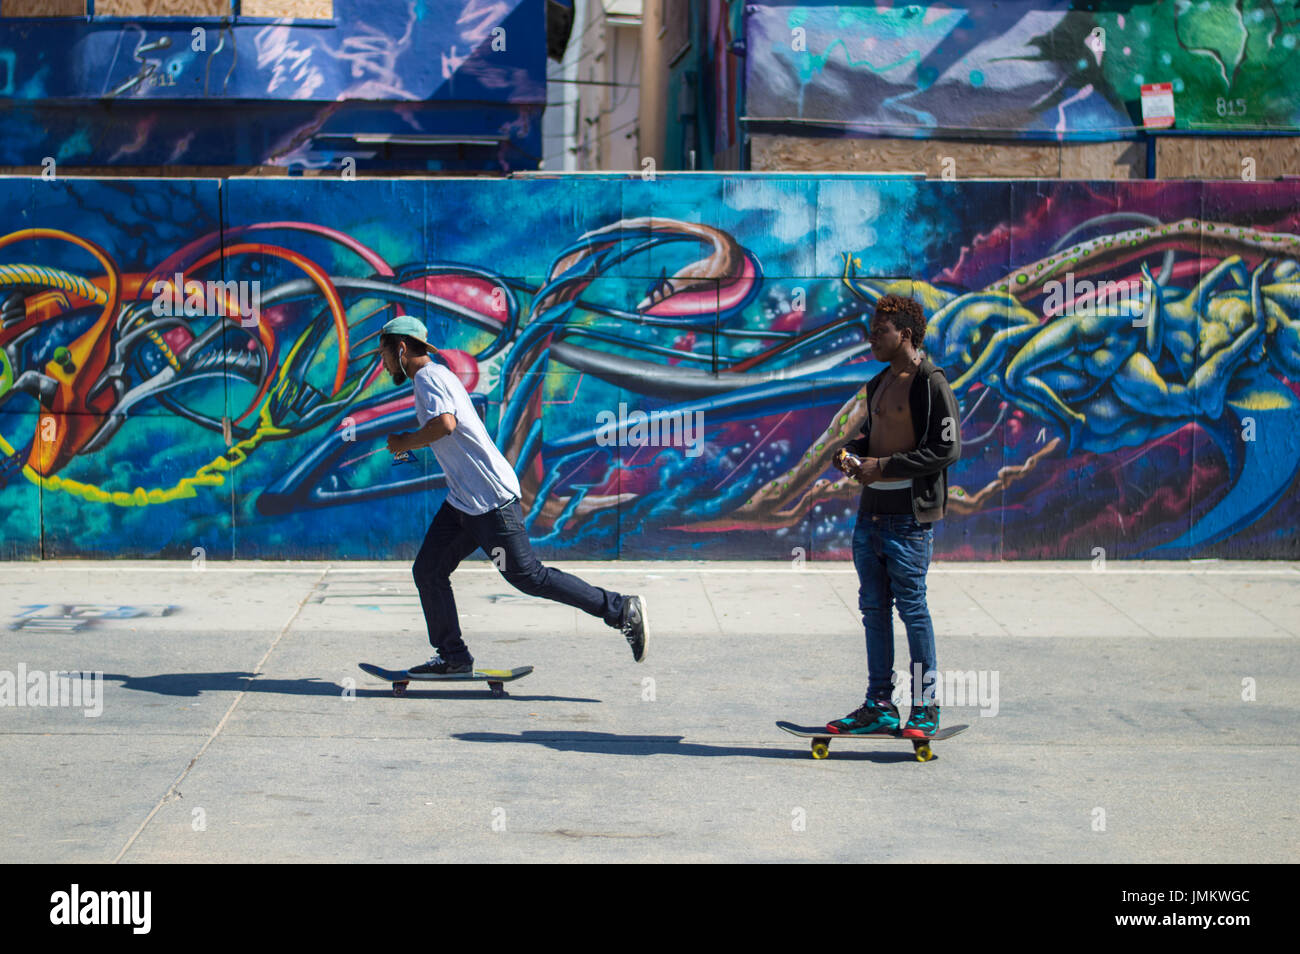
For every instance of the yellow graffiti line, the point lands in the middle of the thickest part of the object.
(163, 346)
(209, 475)
(52, 278)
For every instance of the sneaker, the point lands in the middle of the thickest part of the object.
(873, 716)
(923, 723)
(437, 666)
(634, 626)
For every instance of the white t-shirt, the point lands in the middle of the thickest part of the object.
(479, 478)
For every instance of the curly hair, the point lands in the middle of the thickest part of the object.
(905, 314)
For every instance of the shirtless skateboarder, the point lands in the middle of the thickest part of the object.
(909, 440)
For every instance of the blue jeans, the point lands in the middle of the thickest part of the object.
(892, 553)
(500, 533)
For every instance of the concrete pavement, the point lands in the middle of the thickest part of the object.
(1144, 713)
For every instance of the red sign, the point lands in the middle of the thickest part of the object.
(1157, 105)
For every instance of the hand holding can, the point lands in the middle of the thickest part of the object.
(846, 462)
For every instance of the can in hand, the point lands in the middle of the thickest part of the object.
(845, 460)
(403, 457)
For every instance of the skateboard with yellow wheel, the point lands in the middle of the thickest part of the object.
(495, 678)
(821, 739)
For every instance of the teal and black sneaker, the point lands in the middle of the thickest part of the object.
(923, 723)
(871, 717)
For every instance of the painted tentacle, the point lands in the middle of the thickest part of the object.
(1105, 251)
(784, 500)
(726, 261)
(960, 501)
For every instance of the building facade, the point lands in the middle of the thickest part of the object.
(1015, 89)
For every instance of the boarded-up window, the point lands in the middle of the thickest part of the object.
(163, 8)
(298, 9)
(42, 8)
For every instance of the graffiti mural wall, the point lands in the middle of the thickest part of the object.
(296, 93)
(188, 367)
(1039, 68)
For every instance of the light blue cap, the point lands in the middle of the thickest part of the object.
(411, 327)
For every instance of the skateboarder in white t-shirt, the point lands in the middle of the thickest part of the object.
(481, 510)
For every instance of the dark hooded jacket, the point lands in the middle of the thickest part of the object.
(937, 423)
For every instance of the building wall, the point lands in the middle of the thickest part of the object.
(669, 364)
(652, 106)
(693, 86)
(620, 146)
(1064, 78)
(609, 88)
(560, 121)
(1045, 68)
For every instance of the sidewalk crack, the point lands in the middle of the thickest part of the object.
(173, 791)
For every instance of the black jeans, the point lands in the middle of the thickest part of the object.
(500, 533)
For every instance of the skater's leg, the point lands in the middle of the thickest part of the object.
(503, 538)
(875, 601)
(445, 545)
(908, 547)
(877, 713)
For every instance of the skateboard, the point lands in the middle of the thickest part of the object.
(495, 678)
(821, 739)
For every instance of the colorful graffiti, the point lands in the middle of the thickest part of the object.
(417, 84)
(1055, 68)
(75, 617)
(669, 365)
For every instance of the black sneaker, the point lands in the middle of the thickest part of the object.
(437, 666)
(634, 626)
(873, 717)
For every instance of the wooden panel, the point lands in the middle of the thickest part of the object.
(1202, 157)
(162, 8)
(298, 9)
(1104, 160)
(42, 8)
(952, 159)
(796, 153)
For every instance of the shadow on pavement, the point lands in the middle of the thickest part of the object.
(194, 684)
(610, 744)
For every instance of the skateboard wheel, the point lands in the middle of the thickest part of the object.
(496, 688)
(923, 753)
(399, 688)
(821, 749)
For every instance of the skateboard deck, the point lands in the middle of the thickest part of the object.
(821, 739)
(495, 678)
